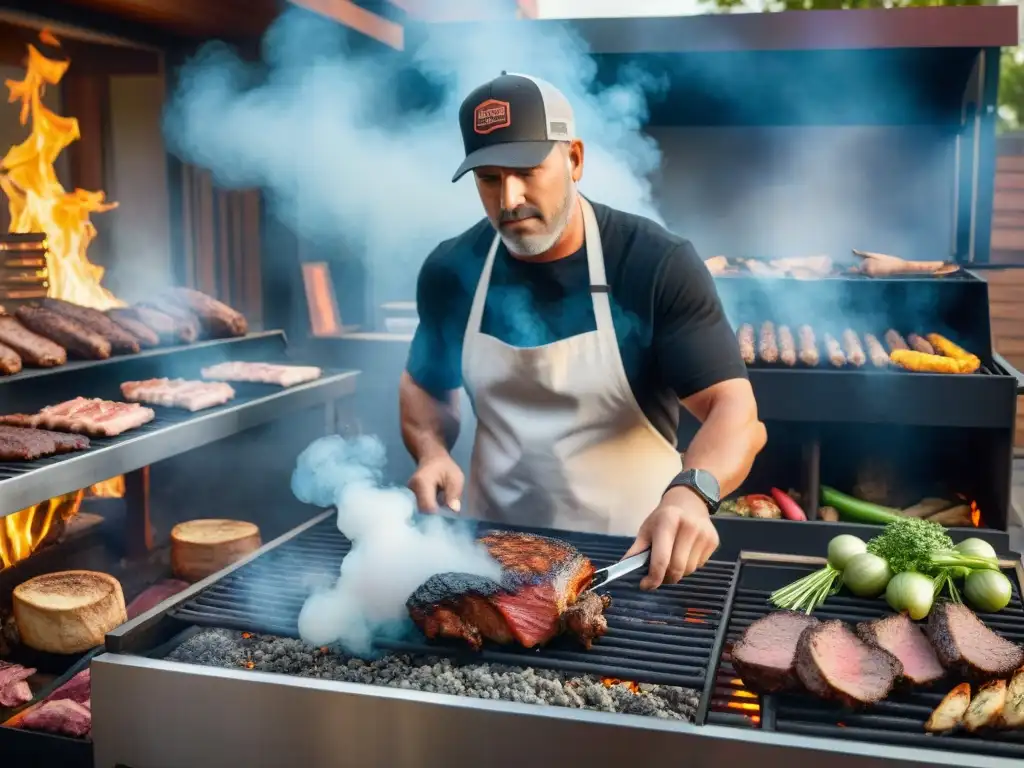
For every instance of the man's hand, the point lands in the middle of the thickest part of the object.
(437, 474)
(680, 535)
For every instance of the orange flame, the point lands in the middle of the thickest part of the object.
(108, 489)
(36, 199)
(743, 701)
(975, 514)
(23, 532)
(610, 682)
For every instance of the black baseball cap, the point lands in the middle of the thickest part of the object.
(512, 122)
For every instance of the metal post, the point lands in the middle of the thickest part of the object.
(138, 530)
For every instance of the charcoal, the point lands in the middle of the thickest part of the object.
(267, 653)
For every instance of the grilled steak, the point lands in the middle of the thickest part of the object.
(833, 663)
(74, 337)
(147, 336)
(62, 716)
(33, 349)
(120, 340)
(765, 656)
(218, 320)
(17, 443)
(967, 647)
(186, 323)
(10, 361)
(907, 642)
(535, 600)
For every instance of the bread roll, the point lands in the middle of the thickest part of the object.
(68, 611)
(200, 548)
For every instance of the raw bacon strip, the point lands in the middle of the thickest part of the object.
(94, 417)
(178, 393)
(262, 373)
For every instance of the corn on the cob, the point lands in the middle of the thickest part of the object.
(921, 362)
(968, 363)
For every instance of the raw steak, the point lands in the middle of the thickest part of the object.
(14, 690)
(63, 716)
(765, 656)
(901, 637)
(538, 596)
(833, 663)
(966, 646)
(77, 689)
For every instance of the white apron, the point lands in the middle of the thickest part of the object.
(560, 440)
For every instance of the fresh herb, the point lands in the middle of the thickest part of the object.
(911, 544)
(808, 593)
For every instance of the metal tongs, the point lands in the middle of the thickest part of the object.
(604, 576)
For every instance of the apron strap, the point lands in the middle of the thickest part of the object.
(476, 312)
(599, 290)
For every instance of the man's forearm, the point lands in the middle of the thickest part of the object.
(429, 427)
(726, 444)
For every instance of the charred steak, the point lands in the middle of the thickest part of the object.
(537, 598)
(833, 663)
(120, 339)
(966, 646)
(765, 656)
(901, 637)
(70, 334)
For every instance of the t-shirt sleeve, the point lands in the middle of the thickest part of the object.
(694, 344)
(435, 356)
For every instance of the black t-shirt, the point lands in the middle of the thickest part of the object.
(673, 335)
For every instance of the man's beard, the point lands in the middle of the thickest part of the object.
(527, 245)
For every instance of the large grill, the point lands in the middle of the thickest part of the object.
(666, 637)
(899, 720)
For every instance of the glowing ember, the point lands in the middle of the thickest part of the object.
(744, 702)
(975, 514)
(696, 616)
(629, 685)
(250, 664)
(38, 202)
(23, 532)
(108, 489)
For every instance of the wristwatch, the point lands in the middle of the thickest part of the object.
(701, 482)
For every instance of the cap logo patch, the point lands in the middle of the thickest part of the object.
(491, 116)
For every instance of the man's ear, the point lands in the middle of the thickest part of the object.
(576, 159)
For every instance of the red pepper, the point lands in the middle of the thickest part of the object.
(790, 509)
(757, 497)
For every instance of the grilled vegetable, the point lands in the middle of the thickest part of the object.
(923, 363)
(828, 514)
(857, 511)
(986, 707)
(951, 710)
(911, 592)
(1013, 709)
(867, 575)
(789, 508)
(758, 505)
(987, 591)
(968, 363)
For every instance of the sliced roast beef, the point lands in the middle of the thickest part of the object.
(967, 647)
(537, 596)
(63, 716)
(833, 663)
(14, 690)
(765, 656)
(901, 637)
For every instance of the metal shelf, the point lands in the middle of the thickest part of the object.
(23, 484)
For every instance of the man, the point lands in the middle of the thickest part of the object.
(577, 330)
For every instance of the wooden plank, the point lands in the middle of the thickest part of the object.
(1008, 201)
(1005, 277)
(1003, 311)
(1012, 348)
(1010, 181)
(1008, 239)
(1010, 163)
(1006, 328)
(1008, 219)
(1000, 293)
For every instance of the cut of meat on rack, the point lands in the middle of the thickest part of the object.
(74, 337)
(120, 339)
(146, 336)
(907, 642)
(966, 646)
(10, 361)
(167, 328)
(262, 373)
(34, 350)
(186, 321)
(765, 656)
(159, 329)
(14, 689)
(25, 444)
(178, 393)
(94, 417)
(65, 717)
(538, 596)
(217, 319)
(833, 663)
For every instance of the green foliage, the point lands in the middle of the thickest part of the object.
(1011, 69)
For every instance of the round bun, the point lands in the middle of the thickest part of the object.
(68, 611)
(200, 548)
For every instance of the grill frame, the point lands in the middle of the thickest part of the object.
(777, 711)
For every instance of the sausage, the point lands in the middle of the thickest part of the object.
(894, 341)
(834, 352)
(968, 363)
(808, 346)
(745, 336)
(787, 346)
(767, 348)
(10, 361)
(920, 345)
(71, 335)
(922, 361)
(854, 351)
(875, 351)
(33, 349)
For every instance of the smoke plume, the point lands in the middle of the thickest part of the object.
(392, 553)
(360, 149)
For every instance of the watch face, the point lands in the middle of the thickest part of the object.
(707, 484)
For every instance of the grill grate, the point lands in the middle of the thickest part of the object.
(667, 637)
(899, 720)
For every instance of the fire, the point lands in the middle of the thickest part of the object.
(744, 702)
(108, 489)
(23, 532)
(36, 199)
(975, 514)
(610, 682)
(696, 616)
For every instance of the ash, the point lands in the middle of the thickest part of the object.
(268, 653)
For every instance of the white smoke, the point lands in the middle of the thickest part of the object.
(392, 554)
(333, 138)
